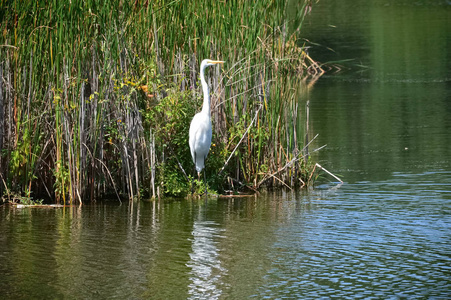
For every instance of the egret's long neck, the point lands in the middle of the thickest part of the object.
(206, 90)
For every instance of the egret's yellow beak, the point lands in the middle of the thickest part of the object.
(216, 61)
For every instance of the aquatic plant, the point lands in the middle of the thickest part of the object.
(95, 96)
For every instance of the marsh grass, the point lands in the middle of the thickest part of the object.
(96, 96)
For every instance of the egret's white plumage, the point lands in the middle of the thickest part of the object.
(200, 128)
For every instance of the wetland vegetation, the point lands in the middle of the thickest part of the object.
(96, 97)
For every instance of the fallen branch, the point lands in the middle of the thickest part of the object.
(319, 166)
(280, 180)
(237, 196)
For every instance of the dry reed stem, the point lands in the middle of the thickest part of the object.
(319, 166)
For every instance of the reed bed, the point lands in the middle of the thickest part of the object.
(96, 96)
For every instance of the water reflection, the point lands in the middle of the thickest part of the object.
(206, 269)
(393, 115)
(382, 239)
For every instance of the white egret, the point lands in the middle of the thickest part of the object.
(200, 128)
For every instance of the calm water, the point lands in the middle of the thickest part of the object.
(384, 234)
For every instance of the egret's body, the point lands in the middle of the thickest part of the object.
(200, 139)
(200, 128)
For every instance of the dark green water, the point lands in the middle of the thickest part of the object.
(384, 234)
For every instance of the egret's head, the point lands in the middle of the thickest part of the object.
(208, 62)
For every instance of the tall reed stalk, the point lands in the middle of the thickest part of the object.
(81, 83)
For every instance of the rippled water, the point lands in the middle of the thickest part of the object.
(381, 240)
(370, 240)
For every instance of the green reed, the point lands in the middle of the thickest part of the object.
(258, 42)
(83, 84)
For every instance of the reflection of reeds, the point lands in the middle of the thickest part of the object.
(76, 76)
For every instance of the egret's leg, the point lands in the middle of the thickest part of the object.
(192, 181)
(205, 181)
(192, 186)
